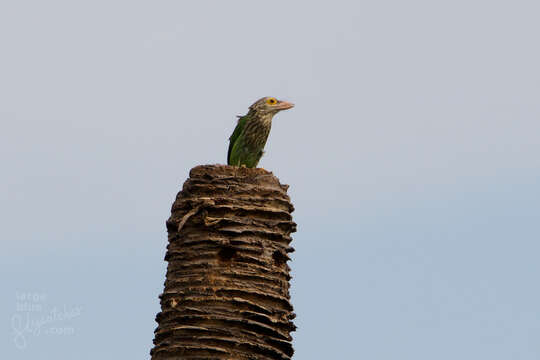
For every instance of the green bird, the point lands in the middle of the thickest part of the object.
(247, 141)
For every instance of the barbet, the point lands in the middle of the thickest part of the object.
(246, 144)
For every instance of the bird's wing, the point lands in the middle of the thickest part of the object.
(236, 133)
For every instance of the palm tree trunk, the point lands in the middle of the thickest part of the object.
(227, 286)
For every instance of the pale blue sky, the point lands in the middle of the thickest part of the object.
(413, 157)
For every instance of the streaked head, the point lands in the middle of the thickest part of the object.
(270, 105)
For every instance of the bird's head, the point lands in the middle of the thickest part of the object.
(270, 106)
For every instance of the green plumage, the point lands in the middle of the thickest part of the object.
(246, 144)
(247, 141)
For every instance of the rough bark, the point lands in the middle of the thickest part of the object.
(227, 285)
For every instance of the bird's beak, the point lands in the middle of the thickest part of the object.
(284, 105)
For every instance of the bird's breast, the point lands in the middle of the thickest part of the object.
(256, 133)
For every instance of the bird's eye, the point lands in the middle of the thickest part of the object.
(271, 101)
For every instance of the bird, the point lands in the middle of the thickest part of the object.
(246, 144)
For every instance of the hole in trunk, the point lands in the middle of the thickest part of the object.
(227, 253)
(279, 258)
